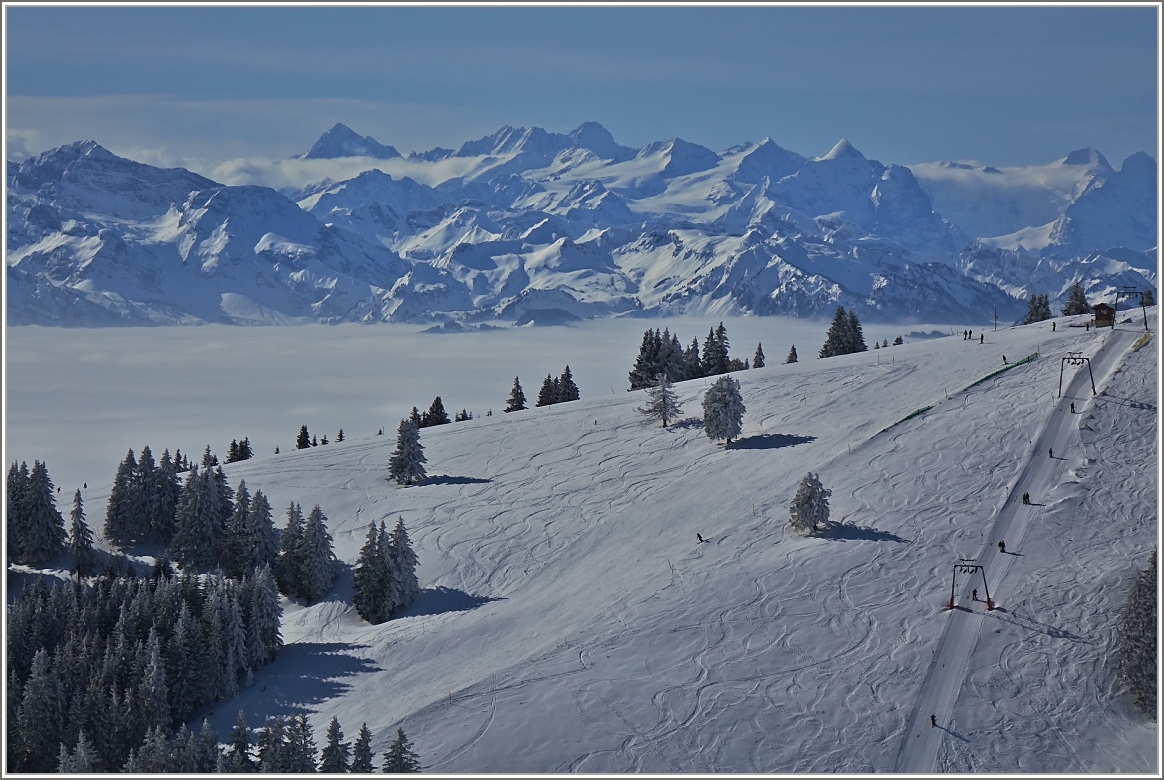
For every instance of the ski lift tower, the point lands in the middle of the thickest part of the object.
(1075, 359)
(968, 566)
(1127, 292)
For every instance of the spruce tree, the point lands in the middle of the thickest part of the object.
(17, 519)
(856, 337)
(153, 701)
(266, 611)
(238, 744)
(300, 749)
(195, 521)
(288, 564)
(236, 558)
(406, 465)
(144, 497)
(362, 752)
(406, 586)
(303, 440)
(317, 559)
(272, 748)
(723, 410)
(758, 359)
(662, 402)
(260, 533)
(45, 535)
(791, 356)
(167, 488)
(436, 414)
(568, 391)
(645, 364)
(80, 540)
(810, 507)
(692, 362)
(516, 398)
(547, 396)
(333, 759)
(37, 730)
(835, 341)
(400, 757)
(118, 518)
(370, 581)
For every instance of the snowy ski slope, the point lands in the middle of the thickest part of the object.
(572, 622)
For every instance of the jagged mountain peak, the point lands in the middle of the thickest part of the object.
(1088, 157)
(343, 141)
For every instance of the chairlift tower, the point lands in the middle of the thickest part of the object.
(1127, 292)
(968, 566)
(1075, 359)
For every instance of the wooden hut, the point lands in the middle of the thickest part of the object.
(1104, 316)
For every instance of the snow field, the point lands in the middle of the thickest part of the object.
(572, 622)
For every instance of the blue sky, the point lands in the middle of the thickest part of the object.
(199, 85)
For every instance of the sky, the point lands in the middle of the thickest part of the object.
(198, 86)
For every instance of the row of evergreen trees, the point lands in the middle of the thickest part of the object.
(1138, 641)
(558, 389)
(35, 529)
(384, 580)
(113, 658)
(241, 450)
(306, 563)
(845, 336)
(304, 439)
(1038, 309)
(662, 353)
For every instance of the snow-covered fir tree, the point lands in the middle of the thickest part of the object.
(370, 580)
(810, 506)
(16, 521)
(236, 551)
(303, 439)
(406, 465)
(758, 358)
(516, 400)
(400, 757)
(334, 758)
(197, 522)
(791, 356)
(662, 403)
(406, 586)
(44, 528)
(723, 410)
(120, 526)
(567, 390)
(167, 488)
(1138, 640)
(288, 563)
(238, 745)
(260, 533)
(436, 414)
(317, 558)
(1076, 301)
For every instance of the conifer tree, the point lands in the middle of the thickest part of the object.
(662, 402)
(303, 440)
(400, 757)
(333, 759)
(405, 585)
(167, 489)
(288, 564)
(758, 359)
(260, 533)
(810, 507)
(236, 558)
(118, 518)
(547, 395)
(692, 362)
(567, 390)
(723, 410)
(272, 748)
(370, 580)
(265, 613)
(144, 497)
(80, 540)
(855, 336)
(516, 398)
(44, 533)
(406, 466)
(238, 744)
(37, 729)
(791, 356)
(898, 341)
(362, 752)
(644, 368)
(436, 414)
(17, 519)
(300, 749)
(153, 695)
(317, 559)
(1076, 300)
(195, 520)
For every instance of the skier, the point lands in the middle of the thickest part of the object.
(933, 721)
(699, 536)
(1050, 452)
(1052, 327)
(981, 338)
(1072, 407)
(1004, 360)
(974, 595)
(1026, 498)
(1001, 546)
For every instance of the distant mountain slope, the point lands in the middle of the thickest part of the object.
(574, 218)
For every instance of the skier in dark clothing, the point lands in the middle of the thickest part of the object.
(699, 536)
(1072, 407)
(1050, 452)
(981, 338)
(974, 595)
(1001, 546)
(933, 721)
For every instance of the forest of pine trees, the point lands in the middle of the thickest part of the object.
(95, 666)
(662, 353)
(384, 580)
(1076, 301)
(35, 528)
(1138, 640)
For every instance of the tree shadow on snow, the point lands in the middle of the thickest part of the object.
(445, 479)
(438, 600)
(769, 441)
(687, 422)
(307, 673)
(846, 531)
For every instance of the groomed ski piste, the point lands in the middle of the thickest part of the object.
(571, 621)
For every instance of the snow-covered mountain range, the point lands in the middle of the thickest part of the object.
(537, 226)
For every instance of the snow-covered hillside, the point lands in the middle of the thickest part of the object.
(572, 622)
(574, 222)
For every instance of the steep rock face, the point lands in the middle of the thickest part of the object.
(545, 227)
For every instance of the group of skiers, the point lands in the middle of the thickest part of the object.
(968, 335)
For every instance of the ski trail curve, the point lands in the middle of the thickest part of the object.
(943, 682)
